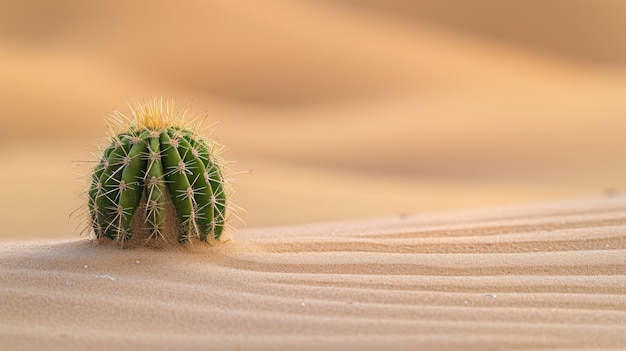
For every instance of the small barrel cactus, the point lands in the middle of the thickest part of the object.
(156, 163)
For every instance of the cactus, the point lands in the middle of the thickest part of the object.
(156, 162)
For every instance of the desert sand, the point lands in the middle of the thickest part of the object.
(450, 175)
(549, 276)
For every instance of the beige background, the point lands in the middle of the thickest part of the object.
(341, 109)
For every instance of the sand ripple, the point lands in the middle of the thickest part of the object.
(550, 276)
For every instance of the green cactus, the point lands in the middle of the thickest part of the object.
(154, 160)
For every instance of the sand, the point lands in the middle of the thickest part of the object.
(547, 276)
(414, 174)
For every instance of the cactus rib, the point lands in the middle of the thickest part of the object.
(96, 188)
(202, 194)
(131, 184)
(155, 188)
(106, 201)
(214, 177)
(178, 184)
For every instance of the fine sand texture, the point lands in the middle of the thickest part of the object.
(535, 277)
(336, 114)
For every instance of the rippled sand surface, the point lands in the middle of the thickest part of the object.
(550, 276)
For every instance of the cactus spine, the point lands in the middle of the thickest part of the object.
(155, 158)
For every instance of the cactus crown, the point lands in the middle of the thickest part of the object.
(157, 175)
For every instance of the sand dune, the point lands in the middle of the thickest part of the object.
(337, 113)
(585, 30)
(546, 276)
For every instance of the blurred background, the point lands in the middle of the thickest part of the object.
(340, 109)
